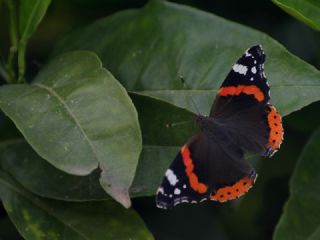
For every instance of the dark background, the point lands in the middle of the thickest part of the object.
(252, 217)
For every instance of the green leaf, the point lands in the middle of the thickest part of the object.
(19, 160)
(78, 117)
(31, 13)
(307, 11)
(38, 218)
(300, 219)
(150, 49)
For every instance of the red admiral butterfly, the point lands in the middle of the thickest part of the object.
(211, 165)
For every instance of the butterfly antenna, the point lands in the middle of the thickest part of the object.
(186, 87)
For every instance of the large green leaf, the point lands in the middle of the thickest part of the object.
(300, 219)
(307, 11)
(20, 161)
(38, 218)
(150, 49)
(78, 117)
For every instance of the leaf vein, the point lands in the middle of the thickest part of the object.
(73, 117)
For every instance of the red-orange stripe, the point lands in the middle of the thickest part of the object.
(276, 129)
(236, 190)
(236, 90)
(193, 179)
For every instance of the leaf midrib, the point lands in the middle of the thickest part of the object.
(72, 116)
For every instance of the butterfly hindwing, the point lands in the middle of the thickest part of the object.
(176, 186)
(201, 171)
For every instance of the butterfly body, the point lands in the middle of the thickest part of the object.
(211, 165)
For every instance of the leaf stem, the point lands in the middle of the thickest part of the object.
(12, 7)
(21, 60)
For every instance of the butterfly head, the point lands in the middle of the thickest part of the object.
(203, 121)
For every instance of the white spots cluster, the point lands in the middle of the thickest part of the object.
(239, 68)
(172, 178)
(177, 191)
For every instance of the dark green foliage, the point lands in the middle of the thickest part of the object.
(92, 127)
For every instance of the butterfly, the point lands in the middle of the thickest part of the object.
(211, 165)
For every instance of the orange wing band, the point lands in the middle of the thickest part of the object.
(236, 190)
(276, 129)
(237, 90)
(193, 179)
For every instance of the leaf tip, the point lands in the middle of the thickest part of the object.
(119, 194)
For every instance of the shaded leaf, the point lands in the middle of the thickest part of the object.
(8, 129)
(300, 219)
(78, 117)
(38, 176)
(173, 41)
(7, 229)
(307, 11)
(38, 218)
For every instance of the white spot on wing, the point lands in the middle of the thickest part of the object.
(160, 190)
(239, 68)
(184, 186)
(177, 191)
(254, 70)
(172, 178)
(251, 79)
